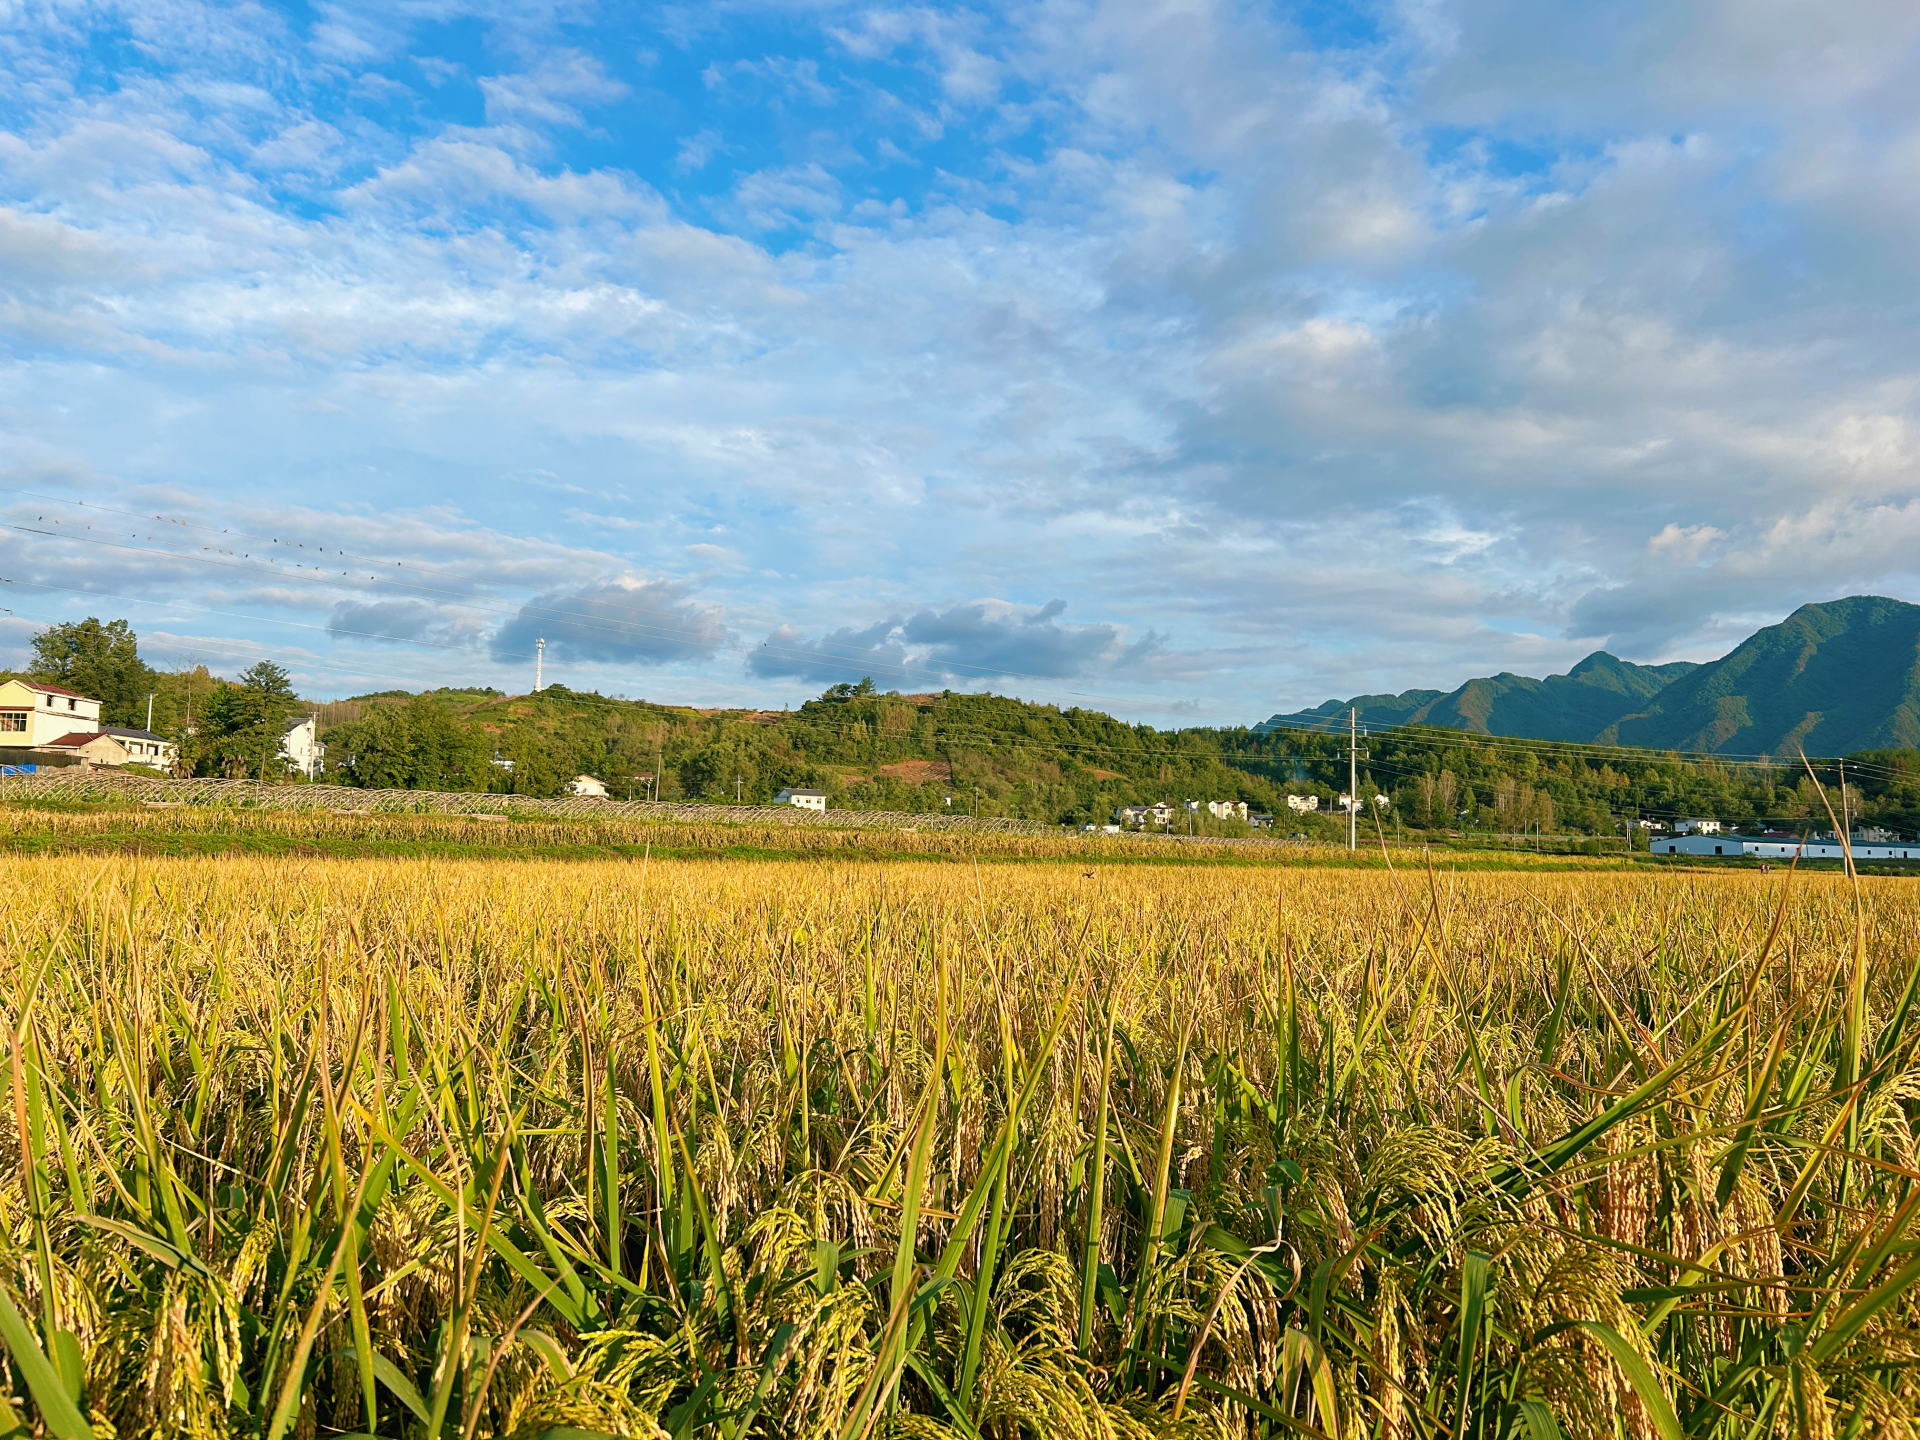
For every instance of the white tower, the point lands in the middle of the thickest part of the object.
(539, 654)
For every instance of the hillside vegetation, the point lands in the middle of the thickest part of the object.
(1579, 705)
(1830, 679)
(876, 751)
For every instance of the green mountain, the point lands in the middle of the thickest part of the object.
(1375, 710)
(1597, 693)
(1830, 679)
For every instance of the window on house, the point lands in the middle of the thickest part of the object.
(13, 722)
(71, 702)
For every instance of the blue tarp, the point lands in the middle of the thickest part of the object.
(18, 769)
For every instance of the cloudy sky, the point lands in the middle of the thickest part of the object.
(1192, 360)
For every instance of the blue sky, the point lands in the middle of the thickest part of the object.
(1189, 360)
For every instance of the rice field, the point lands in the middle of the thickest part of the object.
(160, 830)
(839, 1148)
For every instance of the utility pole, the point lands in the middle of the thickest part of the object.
(1353, 778)
(736, 789)
(539, 655)
(149, 712)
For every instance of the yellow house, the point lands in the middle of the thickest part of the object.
(34, 715)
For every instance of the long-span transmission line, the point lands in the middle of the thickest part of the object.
(979, 739)
(1434, 740)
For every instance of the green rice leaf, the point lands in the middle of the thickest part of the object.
(57, 1408)
(1640, 1377)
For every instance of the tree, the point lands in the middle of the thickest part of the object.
(379, 747)
(534, 771)
(101, 661)
(239, 730)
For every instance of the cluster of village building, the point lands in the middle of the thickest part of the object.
(1710, 838)
(43, 726)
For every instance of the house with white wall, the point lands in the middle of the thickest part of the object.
(803, 799)
(33, 715)
(300, 746)
(143, 747)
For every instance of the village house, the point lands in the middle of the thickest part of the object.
(1144, 815)
(587, 787)
(300, 746)
(803, 799)
(143, 747)
(90, 747)
(1218, 809)
(44, 724)
(1303, 804)
(32, 715)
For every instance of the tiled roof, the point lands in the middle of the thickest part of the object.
(54, 690)
(124, 733)
(75, 740)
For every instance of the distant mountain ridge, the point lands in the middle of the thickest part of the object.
(1832, 678)
(1598, 692)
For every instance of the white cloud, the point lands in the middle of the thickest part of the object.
(1352, 360)
(552, 92)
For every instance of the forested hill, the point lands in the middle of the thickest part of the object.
(1595, 694)
(1828, 679)
(1831, 679)
(932, 752)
